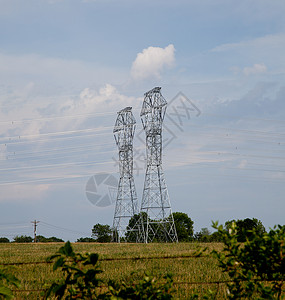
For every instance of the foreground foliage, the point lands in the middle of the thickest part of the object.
(80, 280)
(257, 266)
(6, 278)
(80, 274)
(147, 288)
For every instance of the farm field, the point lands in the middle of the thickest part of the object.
(154, 258)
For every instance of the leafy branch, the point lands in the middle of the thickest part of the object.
(80, 274)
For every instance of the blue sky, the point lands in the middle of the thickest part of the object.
(67, 67)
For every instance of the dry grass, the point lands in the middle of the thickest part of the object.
(184, 270)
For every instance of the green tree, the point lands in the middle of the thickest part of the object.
(4, 240)
(216, 237)
(102, 233)
(137, 225)
(23, 239)
(244, 228)
(41, 239)
(204, 235)
(184, 226)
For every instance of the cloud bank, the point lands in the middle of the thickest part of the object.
(151, 62)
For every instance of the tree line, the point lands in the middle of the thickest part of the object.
(102, 233)
(29, 239)
(184, 228)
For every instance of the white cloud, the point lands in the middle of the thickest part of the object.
(106, 99)
(255, 69)
(151, 61)
(30, 118)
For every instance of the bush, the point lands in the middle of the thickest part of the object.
(256, 267)
(4, 240)
(79, 279)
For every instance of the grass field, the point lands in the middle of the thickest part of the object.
(184, 270)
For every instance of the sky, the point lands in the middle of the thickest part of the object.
(68, 66)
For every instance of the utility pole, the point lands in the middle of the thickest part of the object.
(35, 229)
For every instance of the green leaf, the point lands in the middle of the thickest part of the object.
(6, 292)
(50, 258)
(58, 263)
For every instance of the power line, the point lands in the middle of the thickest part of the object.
(73, 176)
(108, 162)
(246, 131)
(103, 128)
(57, 133)
(63, 229)
(227, 167)
(10, 153)
(17, 223)
(58, 165)
(8, 143)
(244, 118)
(57, 117)
(97, 114)
(13, 227)
(276, 143)
(83, 146)
(53, 157)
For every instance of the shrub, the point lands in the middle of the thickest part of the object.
(256, 267)
(79, 271)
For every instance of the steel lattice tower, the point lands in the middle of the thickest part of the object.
(126, 203)
(158, 223)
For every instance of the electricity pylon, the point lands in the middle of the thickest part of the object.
(126, 203)
(157, 218)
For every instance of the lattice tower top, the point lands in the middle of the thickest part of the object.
(153, 111)
(124, 127)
